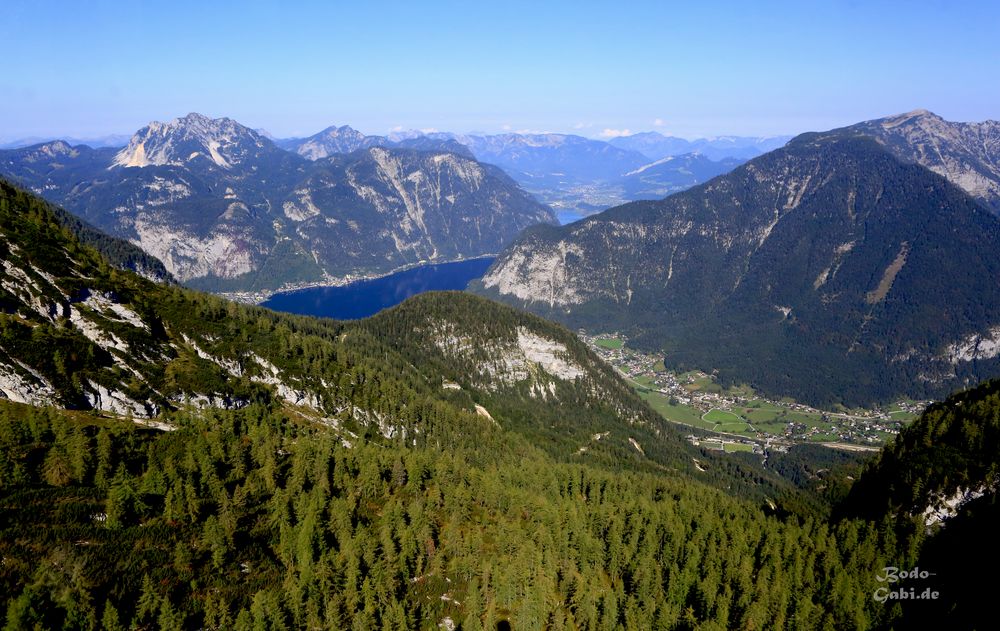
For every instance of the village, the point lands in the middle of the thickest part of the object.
(739, 419)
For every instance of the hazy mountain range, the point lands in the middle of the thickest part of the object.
(566, 171)
(576, 176)
(110, 140)
(655, 145)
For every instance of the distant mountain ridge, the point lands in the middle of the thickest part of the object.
(345, 139)
(571, 172)
(552, 156)
(226, 209)
(110, 140)
(566, 171)
(674, 173)
(656, 146)
(332, 140)
(829, 270)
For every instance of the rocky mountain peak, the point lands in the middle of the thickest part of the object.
(50, 150)
(58, 147)
(967, 154)
(332, 140)
(916, 118)
(343, 131)
(222, 141)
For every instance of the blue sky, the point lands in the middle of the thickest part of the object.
(88, 68)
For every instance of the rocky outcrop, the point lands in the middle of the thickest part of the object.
(968, 154)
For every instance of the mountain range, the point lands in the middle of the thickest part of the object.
(833, 270)
(345, 139)
(572, 174)
(224, 208)
(671, 174)
(556, 166)
(170, 459)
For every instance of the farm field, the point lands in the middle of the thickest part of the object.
(676, 413)
(609, 343)
(716, 415)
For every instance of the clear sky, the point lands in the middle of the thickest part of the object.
(87, 68)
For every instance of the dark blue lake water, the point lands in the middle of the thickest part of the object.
(367, 297)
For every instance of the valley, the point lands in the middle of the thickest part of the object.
(738, 419)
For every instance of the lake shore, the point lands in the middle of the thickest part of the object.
(262, 296)
(366, 297)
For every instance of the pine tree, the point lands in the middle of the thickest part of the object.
(102, 473)
(109, 619)
(169, 619)
(149, 600)
(56, 469)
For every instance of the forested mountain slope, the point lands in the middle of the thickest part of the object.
(943, 472)
(828, 270)
(249, 519)
(80, 334)
(940, 463)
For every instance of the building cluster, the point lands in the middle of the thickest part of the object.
(699, 392)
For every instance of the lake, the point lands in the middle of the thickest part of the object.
(367, 297)
(566, 216)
